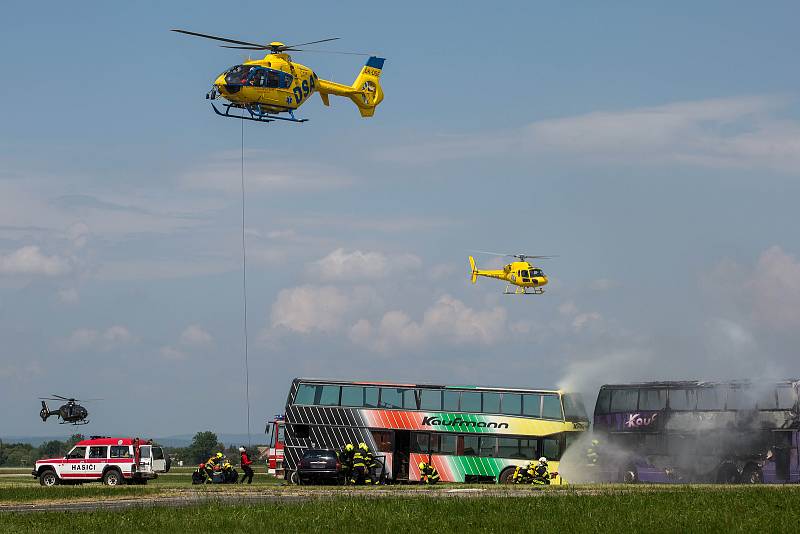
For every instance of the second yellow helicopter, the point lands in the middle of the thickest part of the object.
(526, 279)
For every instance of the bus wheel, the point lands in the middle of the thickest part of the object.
(294, 478)
(506, 476)
(727, 474)
(752, 474)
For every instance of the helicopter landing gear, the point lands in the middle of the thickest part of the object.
(256, 113)
(517, 290)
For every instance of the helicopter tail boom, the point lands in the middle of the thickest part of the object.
(366, 91)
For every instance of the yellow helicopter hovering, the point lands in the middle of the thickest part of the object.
(529, 280)
(265, 88)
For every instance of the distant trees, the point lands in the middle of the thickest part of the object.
(203, 445)
(25, 454)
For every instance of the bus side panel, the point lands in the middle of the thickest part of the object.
(324, 428)
(456, 468)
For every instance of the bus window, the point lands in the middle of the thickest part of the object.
(571, 437)
(451, 400)
(682, 399)
(420, 442)
(603, 401)
(370, 397)
(574, 410)
(786, 398)
(488, 447)
(327, 396)
(652, 399)
(430, 399)
(710, 399)
(446, 443)
(527, 448)
(512, 403)
(491, 403)
(509, 448)
(765, 398)
(551, 407)
(398, 398)
(470, 401)
(624, 400)
(550, 449)
(470, 445)
(655, 444)
(352, 396)
(410, 399)
(305, 394)
(532, 405)
(740, 399)
(383, 439)
(317, 394)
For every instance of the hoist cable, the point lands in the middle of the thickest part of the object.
(244, 301)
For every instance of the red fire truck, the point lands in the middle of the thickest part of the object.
(113, 461)
(275, 429)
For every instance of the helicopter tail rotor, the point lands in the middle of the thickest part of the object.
(474, 270)
(45, 413)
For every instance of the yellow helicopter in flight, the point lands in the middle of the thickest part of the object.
(527, 279)
(265, 88)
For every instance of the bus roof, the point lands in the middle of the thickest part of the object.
(698, 383)
(405, 385)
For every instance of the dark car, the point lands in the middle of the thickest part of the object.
(319, 466)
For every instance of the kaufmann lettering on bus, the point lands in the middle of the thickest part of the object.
(459, 422)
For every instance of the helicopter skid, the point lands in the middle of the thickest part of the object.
(516, 290)
(256, 113)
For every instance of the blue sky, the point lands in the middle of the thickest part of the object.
(655, 149)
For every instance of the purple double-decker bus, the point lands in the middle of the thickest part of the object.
(694, 431)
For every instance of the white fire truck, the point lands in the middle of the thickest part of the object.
(113, 461)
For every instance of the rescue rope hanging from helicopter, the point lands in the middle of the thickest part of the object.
(244, 300)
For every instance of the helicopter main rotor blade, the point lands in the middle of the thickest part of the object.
(334, 52)
(311, 42)
(492, 253)
(246, 47)
(223, 39)
(61, 397)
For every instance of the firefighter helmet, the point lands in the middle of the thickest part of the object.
(219, 455)
(543, 460)
(363, 446)
(349, 447)
(421, 466)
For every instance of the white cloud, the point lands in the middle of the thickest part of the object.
(342, 265)
(195, 336)
(263, 173)
(737, 132)
(68, 295)
(29, 260)
(172, 354)
(775, 286)
(111, 338)
(306, 309)
(448, 321)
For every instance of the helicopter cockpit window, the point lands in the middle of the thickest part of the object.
(77, 453)
(238, 75)
(536, 272)
(523, 274)
(287, 81)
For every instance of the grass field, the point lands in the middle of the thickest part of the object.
(676, 509)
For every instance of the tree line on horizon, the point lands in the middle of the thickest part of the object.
(203, 445)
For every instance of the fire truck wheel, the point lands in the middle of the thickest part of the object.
(505, 476)
(48, 478)
(113, 477)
